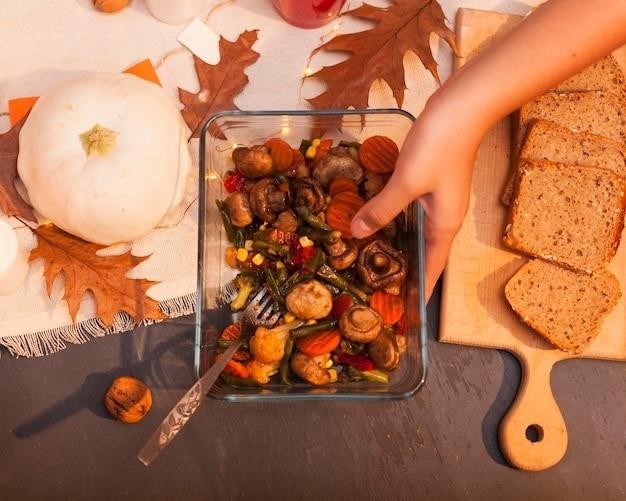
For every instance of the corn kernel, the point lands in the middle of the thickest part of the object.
(306, 241)
(289, 317)
(311, 322)
(248, 245)
(333, 375)
(258, 259)
(328, 364)
(279, 265)
(242, 254)
(315, 142)
(230, 255)
(311, 151)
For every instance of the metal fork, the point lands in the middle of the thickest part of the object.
(259, 312)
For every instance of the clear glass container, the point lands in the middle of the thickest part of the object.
(220, 134)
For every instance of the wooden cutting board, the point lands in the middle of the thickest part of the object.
(474, 310)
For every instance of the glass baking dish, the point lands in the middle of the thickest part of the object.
(219, 135)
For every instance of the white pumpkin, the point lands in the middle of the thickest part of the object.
(104, 157)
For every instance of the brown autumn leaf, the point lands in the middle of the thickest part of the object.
(11, 203)
(378, 52)
(104, 276)
(219, 83)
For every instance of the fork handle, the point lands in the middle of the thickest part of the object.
(186, 406)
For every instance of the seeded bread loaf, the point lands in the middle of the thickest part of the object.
(565, 307)
(571, 215)
(546, 140)
(599, 113)
(595, 112)
(605, 75)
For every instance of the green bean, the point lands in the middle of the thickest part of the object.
(275, 247)
(324, 236)
(318, 259)
(281, 275)
(322, 325)
(304, 145)
(273, 287)
(234, 235)
(297, 277)
(332, 277)
(225, 343)
(352, 347)
(312, 219)
(285, 371)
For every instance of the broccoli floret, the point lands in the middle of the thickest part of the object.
(246, 283)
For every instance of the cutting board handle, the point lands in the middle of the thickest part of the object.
(532, 435)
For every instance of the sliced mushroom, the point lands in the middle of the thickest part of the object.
(305, 367)
(310, 300)
(373, 183)
(266, 200)
(342, 254)
(254, 161)
(338, 162)
(384, 351)
(307, 192)
(360, 323)
(380, 265)
(286, 221)
(239, 210)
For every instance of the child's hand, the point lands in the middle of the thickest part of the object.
(434, 168)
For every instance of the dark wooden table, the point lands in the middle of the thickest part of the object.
(57, 442)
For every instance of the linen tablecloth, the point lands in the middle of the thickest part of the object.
(44, 43)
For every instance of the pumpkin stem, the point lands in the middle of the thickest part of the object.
(98, 140)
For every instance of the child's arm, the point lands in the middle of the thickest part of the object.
(435, 165)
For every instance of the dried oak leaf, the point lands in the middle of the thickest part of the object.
(219, 83)
(104, 276)
(378, 52)
(11, 203)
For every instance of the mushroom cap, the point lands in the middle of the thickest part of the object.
(338, 162)
(380, 264)
(360, 323)
(310, 300)
(239, 209)
(266, 199)
(253, 162)
(384, 351)
(307, 192)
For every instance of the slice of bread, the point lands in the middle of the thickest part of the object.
(568, 214)
(595, 112)
(605, 75)
(565, 307)
(546, 140)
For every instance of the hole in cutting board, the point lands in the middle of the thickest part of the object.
(534, 433)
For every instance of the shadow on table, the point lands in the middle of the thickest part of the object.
(161, 361)
(502, 403)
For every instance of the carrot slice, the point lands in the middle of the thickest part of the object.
(378, 154)
(389, 306)
(232, 333)
(341, 184)
(236, 369)
(341, 210)
(321, 150)
(281, 153)
(319, 343)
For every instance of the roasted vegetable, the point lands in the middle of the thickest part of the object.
(309, 300)
(245, 283)
(309, 370)
(253, 162)
(360, 323)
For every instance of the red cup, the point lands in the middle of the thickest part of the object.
(308, 13)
